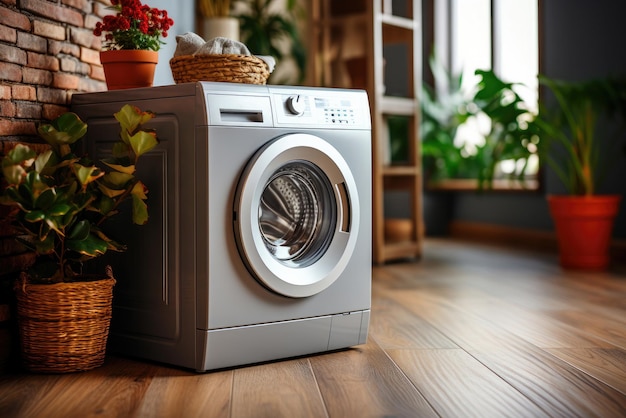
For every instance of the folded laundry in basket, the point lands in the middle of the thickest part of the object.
(193, 44)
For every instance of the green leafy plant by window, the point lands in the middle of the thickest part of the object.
(511, 136)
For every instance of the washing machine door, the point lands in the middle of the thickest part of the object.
(296, 215)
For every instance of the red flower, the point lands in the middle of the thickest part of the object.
(134, 26)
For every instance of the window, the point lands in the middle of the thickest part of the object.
(498, 35)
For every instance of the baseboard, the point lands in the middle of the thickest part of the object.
(518, 237)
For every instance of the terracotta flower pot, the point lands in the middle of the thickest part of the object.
(583, 226)
(127, 69)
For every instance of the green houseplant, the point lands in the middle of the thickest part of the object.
(61, 202)
(580, 154)
(511, 134)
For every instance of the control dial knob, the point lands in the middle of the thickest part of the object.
(296, 104)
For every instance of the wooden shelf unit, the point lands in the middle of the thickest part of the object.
(359, 33)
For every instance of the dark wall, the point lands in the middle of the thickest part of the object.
(579, 40)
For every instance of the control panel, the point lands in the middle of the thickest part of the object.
(347, 110)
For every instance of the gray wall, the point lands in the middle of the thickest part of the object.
(183, 14)
(580, 40)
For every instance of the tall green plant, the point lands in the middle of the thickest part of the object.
(569, 131)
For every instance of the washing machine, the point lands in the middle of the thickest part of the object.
(258, 245)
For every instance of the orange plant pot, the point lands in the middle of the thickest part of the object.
(127, 69)
(584, 225)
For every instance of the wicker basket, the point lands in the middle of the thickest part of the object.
(64, 326)
(227, 67)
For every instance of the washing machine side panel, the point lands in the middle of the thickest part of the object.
(236, 298)
(154, 304)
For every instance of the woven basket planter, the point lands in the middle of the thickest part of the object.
(64, 326)
(228, 68)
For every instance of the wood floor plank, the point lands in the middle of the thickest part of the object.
(276, 390)
(611, 331)
(557, 387)
(456, 384)
(179, 393)
(606, 365)
(364, 382)
(396, 327)
(535, 327)
(111, 391)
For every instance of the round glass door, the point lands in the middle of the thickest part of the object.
(297, 214)
(296, 208)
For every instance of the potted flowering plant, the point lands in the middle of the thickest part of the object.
(132, 34)
(60, 203)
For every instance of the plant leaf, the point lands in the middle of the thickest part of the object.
(143, 142)
(80, 231)
(115, 165)
(64, 130)
(35, 216)
(140, 209)
(91, 246)
(86, 175)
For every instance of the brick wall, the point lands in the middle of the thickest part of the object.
(47, 52)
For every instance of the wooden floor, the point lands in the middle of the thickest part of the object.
(469, 331)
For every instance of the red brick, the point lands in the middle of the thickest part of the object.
(7, 109)
(65, 81)
(36, 76)
(90, 85)
(97, 72)
(82, 5)
(51, 111)
(68, 64)
(9, 2)
(84, 37)
(56, 48)
(53, 11)
(45, 62)
(9, 127)
(12, 54)
(91, 20)
(14, 19)
(101, 8)
(10, 72)
(8, 34)
(90, 56)
(5, 92)
(49, 30)
(49, 95)
(19, 92)
(72, 65)
(28, 110)
(31, 42)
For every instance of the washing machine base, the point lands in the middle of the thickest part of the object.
(229, 347)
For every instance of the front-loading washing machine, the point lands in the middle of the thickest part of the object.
(258, 245)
